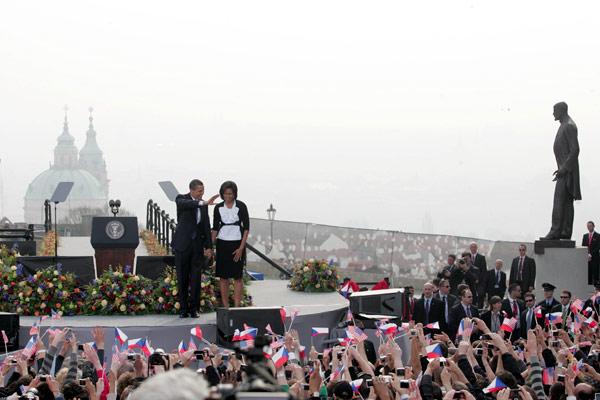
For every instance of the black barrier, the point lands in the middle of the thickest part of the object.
(82, 267)
(25, 248)
(152, 267)
(9, 323)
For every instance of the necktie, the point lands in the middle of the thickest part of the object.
(564, 313)
(498, 277)
(529, 319)
(591, 235)
(521, 269)
(426, 311)
(445, 308)
(515, 309)
(468, 311)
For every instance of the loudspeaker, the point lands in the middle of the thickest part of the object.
(228, 320)
(378, 302)
(9, 323)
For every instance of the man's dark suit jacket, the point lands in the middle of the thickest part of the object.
(559, 308)
(490, 283)
(528, 273)
(436, 311)
(509, 314)
(548, 309)
(594, 250)
(487, 318)
(457, 314)
(523, 323)
(452, 300)
(188, 232)
(480, 262)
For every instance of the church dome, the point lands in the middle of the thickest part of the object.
(85, 186)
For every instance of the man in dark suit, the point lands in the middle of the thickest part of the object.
(428, 309)
(448, 301)
(478, 260)
(528, 319)
(522, 270)
(493, 317)
(549, 301)
(591, 240)
(464, 309)
(495, 281)
(565, 308)
(513, 306)
(192, 244)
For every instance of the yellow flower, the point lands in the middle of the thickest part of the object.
(318, 285)
(136, 278)
(104, 303)
(167, 280)
(51, 285)
(56, 273)
(5, 287)
(13, 267)
(175, 292)
(160, 299)
(40, 290)
(177, 306)
(202, 302)
(142, 306)
(123, 308)
(43, 305)
(143, 292)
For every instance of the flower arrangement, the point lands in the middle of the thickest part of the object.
(314, 276)
(8, 257)
(46, 290)
(152, 245)
(48, 243)
(119, 292)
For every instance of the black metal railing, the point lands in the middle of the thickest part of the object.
(18, 233)
(163, 227)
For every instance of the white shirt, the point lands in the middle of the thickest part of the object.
(230, 216)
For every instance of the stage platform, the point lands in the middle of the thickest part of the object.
(166, 331)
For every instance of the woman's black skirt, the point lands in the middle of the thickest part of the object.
(225, 266)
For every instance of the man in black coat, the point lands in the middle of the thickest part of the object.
(493, 317)
(428, 309)
(448, 301)
(549, 301)
(528, 319)
(565, 308)
(192, 244)
(513, 306)
(478, 260)
(591, 240)
(462, 310)
(495, 281)
(522, 270)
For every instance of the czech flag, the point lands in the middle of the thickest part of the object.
(388, 329)
(248, 334)
(146, 348)
(338, 372)
(356, 384)
(495, 386)
(435, 325)
(120, 337)
(434, 351)
(591, 322)
(508, 324)
(548, 376)
(136, 343)
(319, 331)
(555, 317)
(346, 290)
(280, 357)
(461, 328)
(182, 348)
(588, 311)
(197, 331)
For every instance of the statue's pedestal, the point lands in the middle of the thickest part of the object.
(565, 268)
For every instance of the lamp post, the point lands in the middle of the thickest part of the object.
(114, 206)
(271, 215)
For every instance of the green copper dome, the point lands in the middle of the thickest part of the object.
(85, 185)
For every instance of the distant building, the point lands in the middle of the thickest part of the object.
(86, 169)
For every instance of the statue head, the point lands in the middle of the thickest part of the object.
(560, 110)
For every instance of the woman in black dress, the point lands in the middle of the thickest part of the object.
(231, 225)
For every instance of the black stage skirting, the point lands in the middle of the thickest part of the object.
(82, 267)
(153, 266)
(25, 247)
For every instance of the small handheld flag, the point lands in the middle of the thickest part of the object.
(495, 386)
(197, 331)
(280, 357)
(120, 336)
(319, 331)
(434, 351)
(182, 348)
(434, 325)
(509, 324)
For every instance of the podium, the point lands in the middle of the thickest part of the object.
(114, 240)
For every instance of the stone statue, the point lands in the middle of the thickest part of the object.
(566, 151)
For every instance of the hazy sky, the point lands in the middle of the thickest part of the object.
(368, 114)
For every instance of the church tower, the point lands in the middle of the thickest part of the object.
(91, 157)
(65, 152)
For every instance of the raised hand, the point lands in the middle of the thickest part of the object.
(98, 336)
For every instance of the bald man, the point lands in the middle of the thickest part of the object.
(428, 309)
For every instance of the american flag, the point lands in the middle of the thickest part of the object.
(357, 334)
